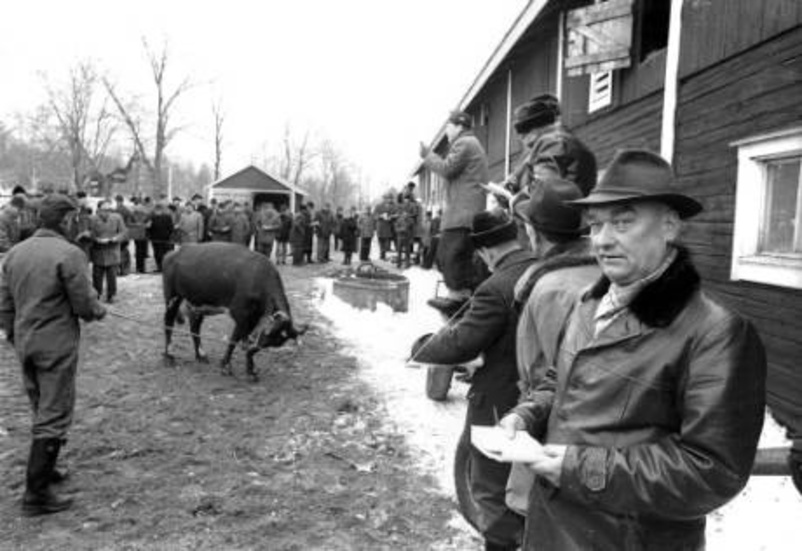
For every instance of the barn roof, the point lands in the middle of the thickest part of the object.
(254, 179)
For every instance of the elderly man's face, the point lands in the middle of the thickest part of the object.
(630, 241)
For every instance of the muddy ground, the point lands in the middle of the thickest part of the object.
(183, 457)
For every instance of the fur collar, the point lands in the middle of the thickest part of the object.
(662, 300)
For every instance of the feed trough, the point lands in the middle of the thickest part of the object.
(369, 285)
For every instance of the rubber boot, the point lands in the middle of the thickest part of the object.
(39, 498)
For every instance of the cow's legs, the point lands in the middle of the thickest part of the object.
(236, 336)
(169, 320)
(250, 366)
(195, 323)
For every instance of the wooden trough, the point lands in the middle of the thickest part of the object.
(369, 285)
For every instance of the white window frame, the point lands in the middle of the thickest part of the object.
(596, 99)
(783, 270)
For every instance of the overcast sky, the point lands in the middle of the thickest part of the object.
(375, 76)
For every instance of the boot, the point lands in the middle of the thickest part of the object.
(39, 498)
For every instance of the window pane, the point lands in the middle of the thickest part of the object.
(782, 198)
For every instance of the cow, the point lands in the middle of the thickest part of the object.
(217, 277)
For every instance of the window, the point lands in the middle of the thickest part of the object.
(601, 91)
(655, 17)
(767, 240)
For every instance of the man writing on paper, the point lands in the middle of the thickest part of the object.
(488, 328)
(652, 413)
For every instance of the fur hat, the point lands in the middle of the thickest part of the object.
(640, 175)
(548, 210)
(490, 228)
(461, 118)
(54, 208)
(539, 111)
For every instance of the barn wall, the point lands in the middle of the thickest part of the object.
(753, 93)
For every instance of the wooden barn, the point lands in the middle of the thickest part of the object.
(716, 87)
(253, 186)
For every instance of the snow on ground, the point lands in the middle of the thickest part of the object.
(762, 518)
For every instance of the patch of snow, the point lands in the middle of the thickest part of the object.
(762, 518)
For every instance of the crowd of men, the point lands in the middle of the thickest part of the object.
(643, 396)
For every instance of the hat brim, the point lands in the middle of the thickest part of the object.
(522, 207)
(685, 206)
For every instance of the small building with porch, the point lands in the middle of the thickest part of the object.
(252, 186)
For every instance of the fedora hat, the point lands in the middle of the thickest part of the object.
(640, 175)
(539, 111)
(549, 210)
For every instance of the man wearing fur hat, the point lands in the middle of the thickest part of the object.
(465, 170)
(488, 328)
(549, 148)
(44, 290)
(651, 414)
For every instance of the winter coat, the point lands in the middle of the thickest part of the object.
(661, 414)
(44, 289)
(385, 214)
(367, 226)
(241, 229)
(140, 218)
(161, 227)
(464, 169)
(325, 223)
(554, 150)
(190, 227)
(9, 228)
(487, 327)
(285, 220)
(300, 227)
(106, 238)
(266, 224)
(220, 226)
(349, 230)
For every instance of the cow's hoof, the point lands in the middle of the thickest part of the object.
(253, 377)
(226, 370)
(202, 358)
(169, 360)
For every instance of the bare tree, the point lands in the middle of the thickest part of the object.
(297, 156)
(219, 120)
(166, 99)
(85, 123)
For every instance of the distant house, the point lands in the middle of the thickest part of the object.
(716, 87)
(252, 186)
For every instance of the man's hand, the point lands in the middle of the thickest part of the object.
(424, 150)
(550, 465)
(512, 423)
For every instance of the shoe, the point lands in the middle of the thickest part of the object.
(447, 306)
(110, 300)
(39, 498)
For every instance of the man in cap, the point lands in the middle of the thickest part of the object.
(545, 294)
(44, 290)
(651, 414)
(549, 148)
(487, 328)
(465, 170)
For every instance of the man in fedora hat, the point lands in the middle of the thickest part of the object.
(465, 170)
(487, 328)
(549, 148)
(44, 290)
(651, 414)
(545, 294)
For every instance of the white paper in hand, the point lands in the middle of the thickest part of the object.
(495, 444)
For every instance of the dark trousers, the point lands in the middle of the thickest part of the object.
(323, 245)
(265, 247)
(364, 248)
(125, 259)
(455, 259)
(160, 248)
(110, 273)
(404, 248)
(140, 253)
(297, 256)
(384, 246)
(347, 258)
(281, 252)
(51, 390)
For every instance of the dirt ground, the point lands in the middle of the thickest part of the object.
(183, 457)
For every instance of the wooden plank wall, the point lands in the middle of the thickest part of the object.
(753, 93)
(714, 30)
(634, 125)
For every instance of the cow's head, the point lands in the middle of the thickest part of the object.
(276, 329)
